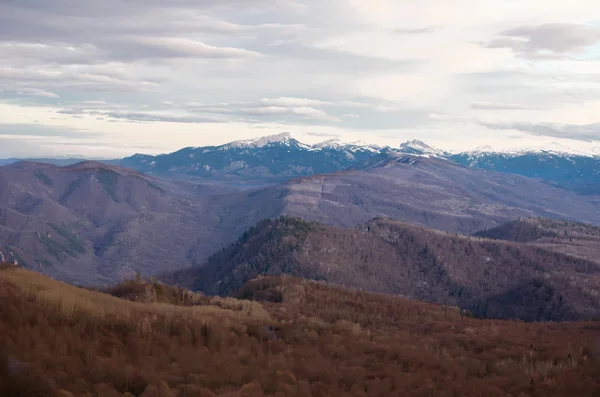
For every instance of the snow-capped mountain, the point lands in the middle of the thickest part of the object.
(579, 172)
(553, 148)
(420, 148)
(282, 139)
(276, 156)
(280, 156)
(283, 157)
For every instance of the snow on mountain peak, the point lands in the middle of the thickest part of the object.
(328, 144)
(553, 148)
(420, 148)
(278, 138)
(284, 137)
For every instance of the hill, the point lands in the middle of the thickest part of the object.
(431, 192)
(91, 223)
(94, 223)
(490, 278)
(315, 340)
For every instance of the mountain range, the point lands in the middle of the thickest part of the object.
(94, 223)
(281, 157)
(277, 158)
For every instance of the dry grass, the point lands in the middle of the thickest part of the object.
(305, 339)
(69, 299)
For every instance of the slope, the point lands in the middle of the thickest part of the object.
(576, 239)
(93, 223)
(59, 340)
(434, 193)
(401, 259)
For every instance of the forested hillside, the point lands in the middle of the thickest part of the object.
(489, 277)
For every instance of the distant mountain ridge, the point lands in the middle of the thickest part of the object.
(280, 157)
(283, 157)
(272, 157)
(577, 172)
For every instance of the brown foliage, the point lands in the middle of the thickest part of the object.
(155, 292)
(318, 341)
(537, 281)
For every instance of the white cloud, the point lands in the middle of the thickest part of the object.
(175, 47)
(291, 102)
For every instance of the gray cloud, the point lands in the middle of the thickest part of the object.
(137, 116)
(35, 92)
(588, 133)
(547, 41)
(82, 79)
(110, 30)
(364, 115)
(266, 109)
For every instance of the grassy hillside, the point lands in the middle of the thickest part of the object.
(392, 257)
(302, 339)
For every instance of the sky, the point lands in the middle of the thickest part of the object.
(115, 77)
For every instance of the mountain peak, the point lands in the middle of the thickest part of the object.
(278, 138)
(328, 144)
(420, 148)
(284, 137)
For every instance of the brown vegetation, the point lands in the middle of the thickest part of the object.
(494, 279)
(304, 339)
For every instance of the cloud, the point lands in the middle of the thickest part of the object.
(411, 31)
(588, 133)
(550, 41)
(137, 116)
(484, 105)
(350, 114)
(291, 102)
(174, 47)
(246, 66)
(81, 79)
(300, 111)
(323, 134)
(36, 92)
(39, 130)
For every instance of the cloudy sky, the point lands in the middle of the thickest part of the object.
(114, 77)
